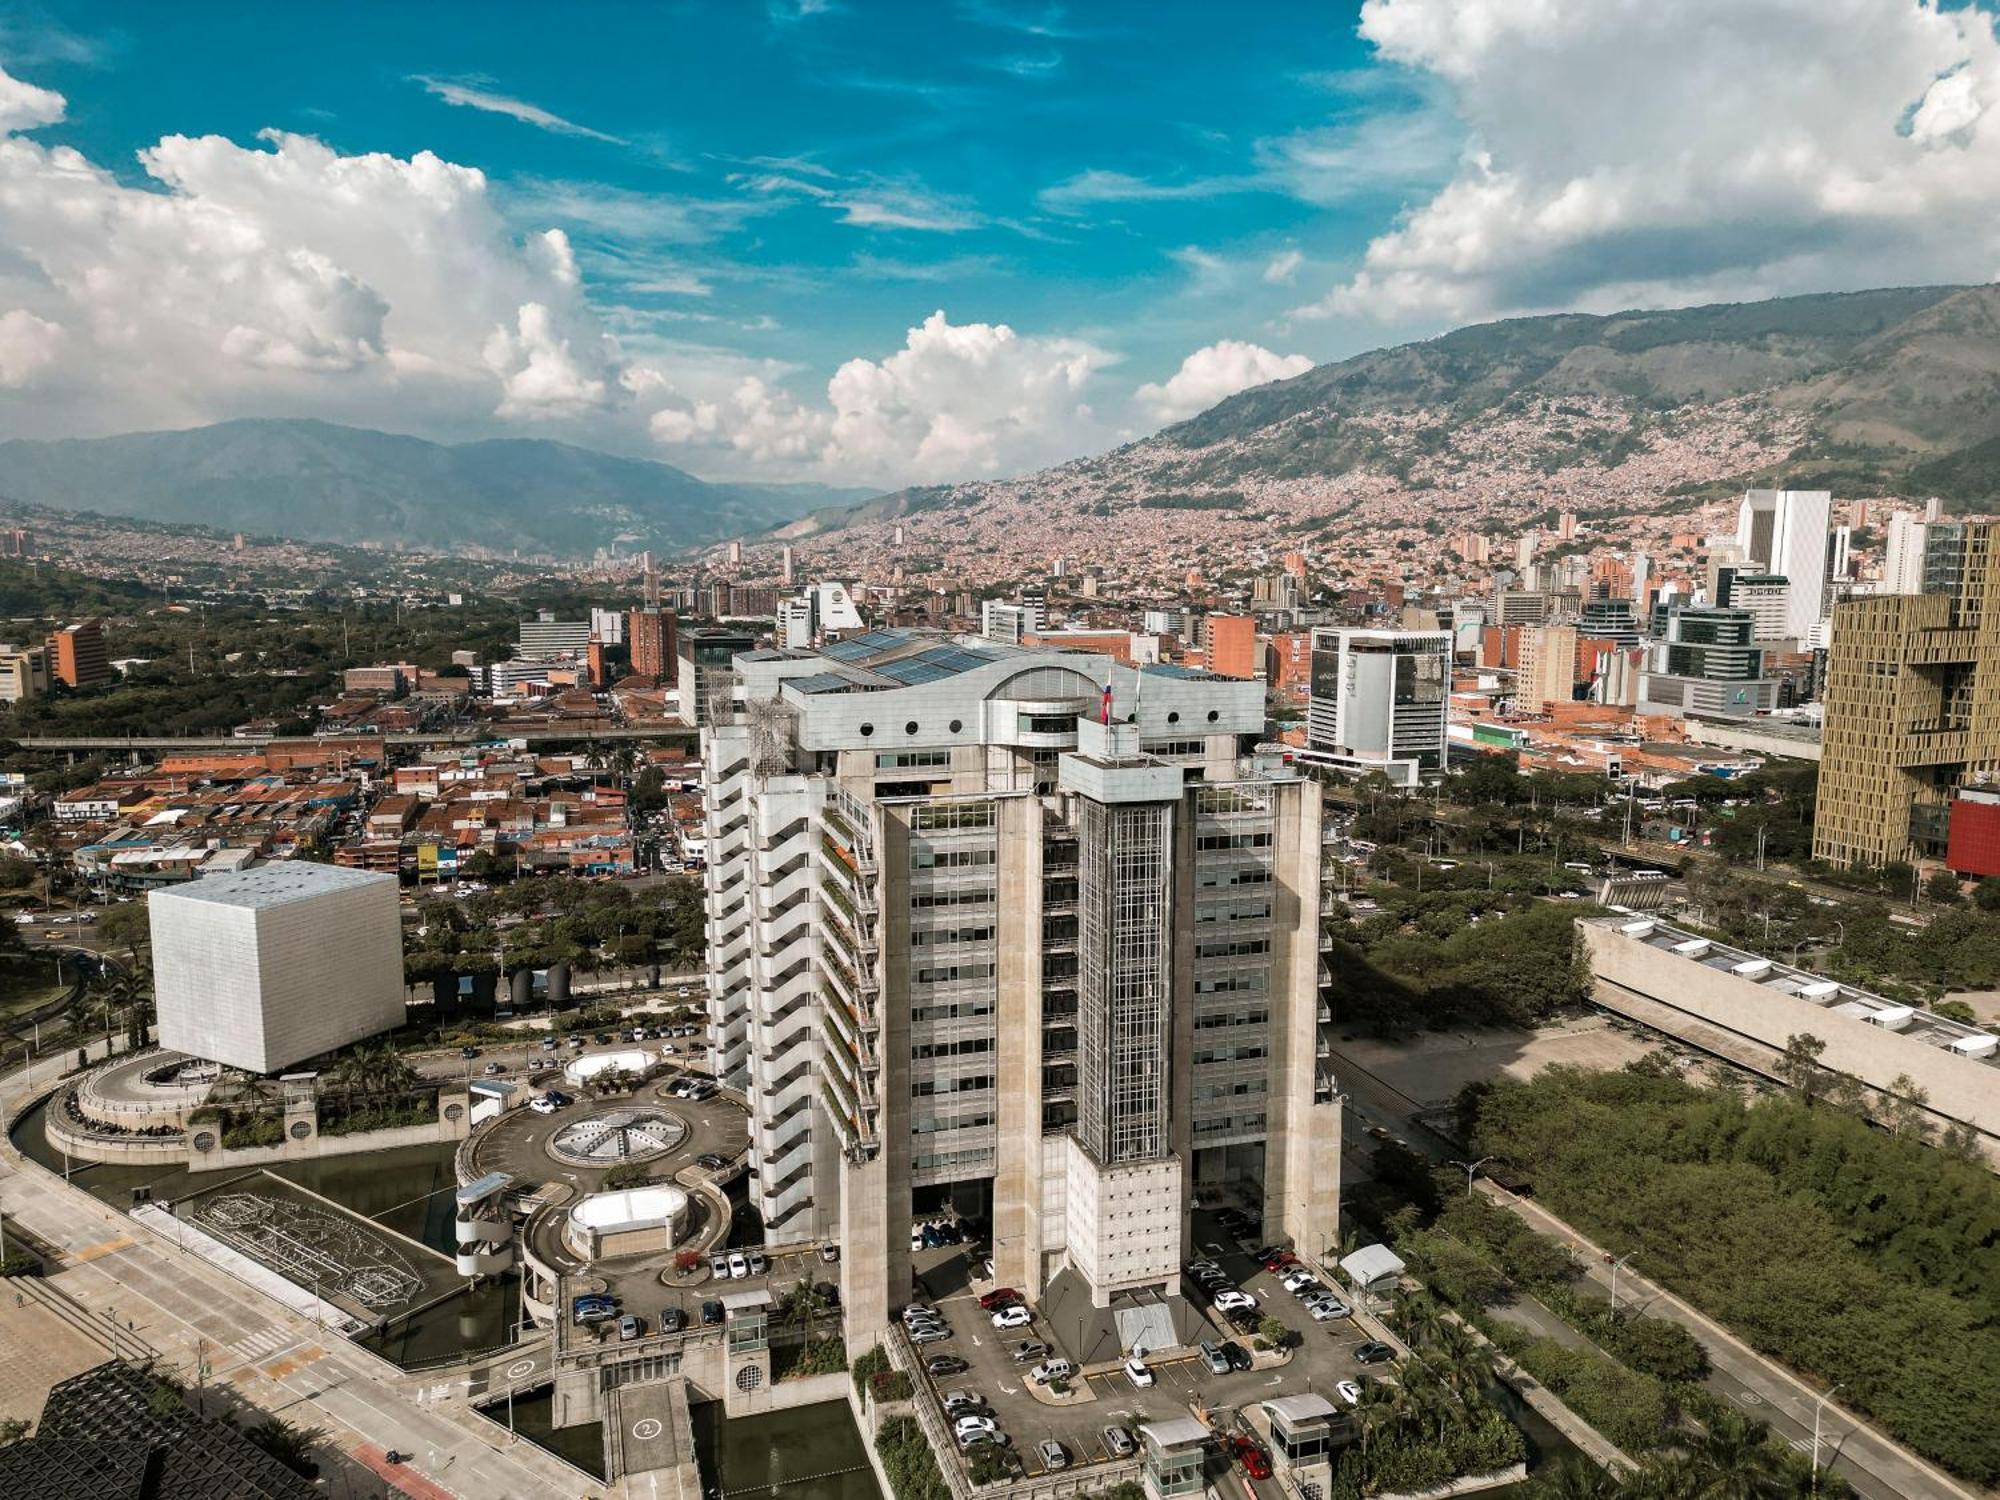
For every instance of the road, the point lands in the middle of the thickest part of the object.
(1877, 1467)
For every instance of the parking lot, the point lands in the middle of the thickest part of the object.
(1183, 1384)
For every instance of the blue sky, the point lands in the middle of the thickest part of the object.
(1122, 211)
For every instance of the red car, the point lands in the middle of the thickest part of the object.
(1000, 1296)
(1249, 1453)
(1279, 1260)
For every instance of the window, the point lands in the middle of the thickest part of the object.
(901, 760)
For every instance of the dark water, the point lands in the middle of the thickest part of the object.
(534, 1415)
(408, 1190)
(789, 1455)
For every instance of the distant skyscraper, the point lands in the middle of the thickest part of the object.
(1548, 667)
(650, 629)
(1378, 699)
(1903, 559)
(785, 564)
(1790, 534)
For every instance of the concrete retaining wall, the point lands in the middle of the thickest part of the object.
(1959, 1088)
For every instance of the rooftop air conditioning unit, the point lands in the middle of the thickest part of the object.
(1693, 948)
(1977, 1045)
(1893, 1017)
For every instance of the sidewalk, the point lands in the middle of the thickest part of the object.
(1876, 1464)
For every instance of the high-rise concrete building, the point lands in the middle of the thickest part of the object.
(24, 673)
(546, 638)
(267, 967)
(77, 656)
(972, 944)
(650, 638)
(1547, 673)
(1705, 662)
(1378, 700)
(1229, 643)
(1789, 533)
(608, 625)
(704, 675)
(1767, 598)
(1912, 701)
(1008, 621)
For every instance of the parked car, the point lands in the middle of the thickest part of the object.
(929, 1334)
(493, 1069)
(711, 1313)
(919, 1310)
(596, 1312)
(1214, 1358)
(1326, 1309)
(1118, 1442)
(999, 1297)
(830, 1254)
(1348, 1391)
(942, 1366)
(1373, 1352)
(1016, 1316)
(541, 1105)
(758, 1264)
(1237, 1355)
(1235, 1301)
(1052, 1454)
(468, 1052)
(1137, 1373)
(672, 1320)
(1029, 1350)
(739, 1265)
(970, 1423)
(1051, 1369)
(630, 1326)
(959, 1403)
(718, 1267)
(711, 1161)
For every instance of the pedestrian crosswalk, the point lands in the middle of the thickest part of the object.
(257, 1345)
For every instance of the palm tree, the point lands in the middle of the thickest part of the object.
(1737, 1461)
(1577, 1478)
(1380, 1407)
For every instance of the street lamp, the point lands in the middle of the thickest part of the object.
(1472, 1170)
(1819, 1406)
(1616, 1267)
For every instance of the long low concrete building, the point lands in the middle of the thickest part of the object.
(1874, 1040)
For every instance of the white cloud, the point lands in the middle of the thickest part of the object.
(864, 200)
(1627, 151)
(956, 401)
(470, 95)
(1076, 194)
(1211, 374)
(25, 107)
(540, 374)
(28, 345)
(1283, 268)
(280, 277)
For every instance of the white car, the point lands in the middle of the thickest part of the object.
(739, 1267)
(1235, 1301)
(1016, 1316)
(1349, 1392)
(1137, 1373)
(1051, 1369)
(1293, 1280)
(1327, 1309)
(967, 1424)
(540, 1105)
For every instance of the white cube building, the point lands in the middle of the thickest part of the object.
(267, 967)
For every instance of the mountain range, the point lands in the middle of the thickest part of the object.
(1873, 393)
(1631, 414)
(321, 482)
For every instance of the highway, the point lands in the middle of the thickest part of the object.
(1877, 1467)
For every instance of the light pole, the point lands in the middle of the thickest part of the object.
(1472, 1170)
(1819, 1406)
(1616, 1267)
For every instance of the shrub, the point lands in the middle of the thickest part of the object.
(908, 1461)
